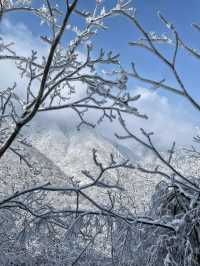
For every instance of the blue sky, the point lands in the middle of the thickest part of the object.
(121, 31)
(180, 13)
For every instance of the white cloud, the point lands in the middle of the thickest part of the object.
(167, 120)
(23, 42)
(24, 39)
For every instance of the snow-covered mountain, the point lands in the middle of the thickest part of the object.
(15, 175)
(71, 151)
(60, 154)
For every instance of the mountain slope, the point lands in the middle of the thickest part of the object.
(72, 152)
(14, 173)
(59, 154)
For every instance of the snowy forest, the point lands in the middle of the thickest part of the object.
(99, 156)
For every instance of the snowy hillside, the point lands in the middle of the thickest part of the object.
(43, 169)
(60, 154)
(71, 151)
